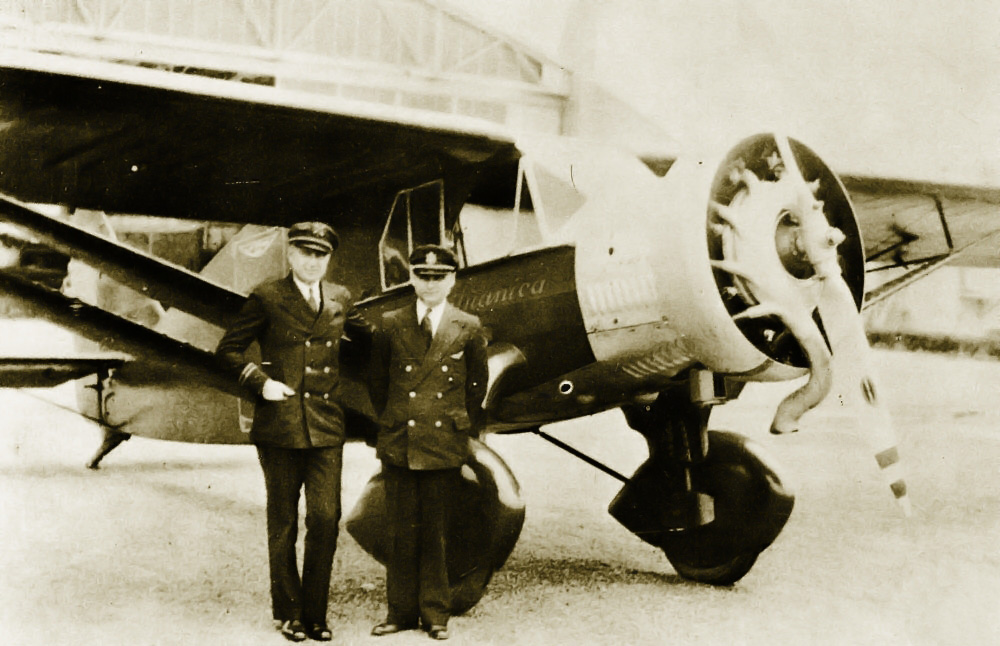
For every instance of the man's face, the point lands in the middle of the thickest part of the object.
(308, 265)
(433, 289)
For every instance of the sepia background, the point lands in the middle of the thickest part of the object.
(165, 545)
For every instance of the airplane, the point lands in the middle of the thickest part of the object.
(657, 285)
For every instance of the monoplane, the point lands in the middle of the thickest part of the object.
(658, 285)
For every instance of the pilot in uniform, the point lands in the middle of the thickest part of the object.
(298, 425)
(428, 380)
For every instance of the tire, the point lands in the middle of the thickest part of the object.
(485, 524)
(751, 507)
(722, 574)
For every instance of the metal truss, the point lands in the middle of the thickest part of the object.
(418, 53)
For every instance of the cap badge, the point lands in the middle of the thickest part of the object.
(432, 258)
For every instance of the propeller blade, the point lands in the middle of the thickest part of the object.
(856, 381)
(852, 363)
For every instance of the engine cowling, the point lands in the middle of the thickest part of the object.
(678, 270)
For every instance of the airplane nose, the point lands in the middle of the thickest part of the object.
(750, 264)
(670, 270)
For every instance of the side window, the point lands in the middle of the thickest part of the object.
(526, 231)
(416, 218)
(503, 221)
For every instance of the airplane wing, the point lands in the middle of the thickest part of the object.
(127, 139)
(168, 359)
(910, 228)
(46, 372)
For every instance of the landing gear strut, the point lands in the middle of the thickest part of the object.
(709, 499)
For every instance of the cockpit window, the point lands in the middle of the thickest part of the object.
(535, 204)
(559, 197)
(527, 233)
(416, 218)
(503, 223)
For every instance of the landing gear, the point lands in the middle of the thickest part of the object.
(711, 500)
(485, 524)
(751, 507)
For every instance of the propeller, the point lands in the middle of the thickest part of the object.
(781, 250)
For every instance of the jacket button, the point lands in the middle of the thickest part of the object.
(326, 395)
(329, 343)
(438, 423)
(411, 423)
(308, 369)
(409, 368)
(412, 394)
(326, 369)
(444, 368)
(440, 395)
(306, 395)
(308, 343)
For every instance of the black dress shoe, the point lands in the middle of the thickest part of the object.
(293, 630)
(319, 632)
(438, 632)
(389, 628)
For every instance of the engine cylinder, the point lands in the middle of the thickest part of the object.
(657, 256)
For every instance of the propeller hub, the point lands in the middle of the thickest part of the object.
(777, 229)
(788, 244)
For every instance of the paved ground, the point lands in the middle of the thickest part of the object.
(165, 544)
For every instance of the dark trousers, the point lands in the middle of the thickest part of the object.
(286, 471)
(417, 572)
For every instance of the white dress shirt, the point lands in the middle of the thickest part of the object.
(308, 290)
(436, 313)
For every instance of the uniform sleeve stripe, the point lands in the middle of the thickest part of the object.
(898, 488)
(247, 371)
(887, 458)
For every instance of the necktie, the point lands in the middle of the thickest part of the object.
(313, 301)
(425, 326)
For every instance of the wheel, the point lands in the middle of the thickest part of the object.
(724, 573)
(484, 527)
(751, 507)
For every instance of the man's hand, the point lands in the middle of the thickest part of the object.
(276, 391)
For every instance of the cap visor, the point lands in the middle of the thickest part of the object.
(322, 247)
(432, 271)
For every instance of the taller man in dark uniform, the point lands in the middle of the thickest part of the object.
(298, 424)
(428, 380)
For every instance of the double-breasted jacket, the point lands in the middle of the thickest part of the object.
(299, 347)
(428, 399)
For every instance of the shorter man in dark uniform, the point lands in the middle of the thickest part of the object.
(428, 380)
(298, 423)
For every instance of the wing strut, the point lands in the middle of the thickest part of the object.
(930, 264)
(577, 453)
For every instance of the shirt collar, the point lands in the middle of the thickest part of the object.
(436, 313)
(306, 289)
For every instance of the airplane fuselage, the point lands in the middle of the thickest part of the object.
(622, 299)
